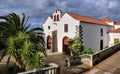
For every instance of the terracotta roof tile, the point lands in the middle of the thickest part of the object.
(117, 23)
(107, 20)
(115, 31)
(87, 19)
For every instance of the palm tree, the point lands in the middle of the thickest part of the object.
(24, 52)
(11, 25)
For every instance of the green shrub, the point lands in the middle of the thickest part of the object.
(78, 48)
(87, 51)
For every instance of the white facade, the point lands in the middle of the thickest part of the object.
(117, 26)
(48, 32)
(66, 19)
(92, 36)
(114, 36)
(91, 32)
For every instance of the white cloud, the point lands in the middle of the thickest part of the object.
(40, 9)
(113, 4)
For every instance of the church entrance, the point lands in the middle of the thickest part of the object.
(66, 48)
(49, 42)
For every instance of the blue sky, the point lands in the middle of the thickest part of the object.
(39, 10)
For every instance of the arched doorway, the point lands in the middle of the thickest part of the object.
(49, 42)
(66, 48)
(101, 44)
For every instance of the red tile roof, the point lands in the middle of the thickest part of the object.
(117, 23)
(87, 19)
(107, 20)
(115, 31)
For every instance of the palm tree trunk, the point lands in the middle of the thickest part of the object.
(18, 62)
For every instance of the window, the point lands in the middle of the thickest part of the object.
(48, 27)
(66, 28)
(56, 11)
(116, 40)
(101, 32)
(57, 17)
(54, 17)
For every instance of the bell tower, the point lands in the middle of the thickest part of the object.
(56, 15)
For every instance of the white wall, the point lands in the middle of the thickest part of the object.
(112, 37)
(92, 36)
(116, 26)
(66, 19)
(47, 31)
(91, 32)
(110, 23)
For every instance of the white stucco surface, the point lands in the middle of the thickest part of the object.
(112, 37)
(66, 19)
(92, 36)
(91, 32)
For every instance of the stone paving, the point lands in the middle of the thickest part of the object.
(109, 66)
(59, 58)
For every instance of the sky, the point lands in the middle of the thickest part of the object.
(39, 10)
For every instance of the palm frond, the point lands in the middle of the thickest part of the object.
(36, 29)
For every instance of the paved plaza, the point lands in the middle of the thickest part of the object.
(109, 66)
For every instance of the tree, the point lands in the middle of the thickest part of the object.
(30, 56)
(24, 51)
(77, 48)
(12, 24)
(38, 42)
(75, 45)
(16, 36)
(14, 44)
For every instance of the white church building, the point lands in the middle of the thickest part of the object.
(95, 34)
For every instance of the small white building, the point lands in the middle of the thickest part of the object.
(115, 34)
(94, 33)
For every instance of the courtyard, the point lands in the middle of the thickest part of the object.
(59, 58)
(109, 66)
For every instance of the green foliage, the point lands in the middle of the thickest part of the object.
(77, 48)
(11, 24)
(38, 42)
(75, 45)
(30, 56)
(14, 44)
(21, 42)
(87, 51)
(24, 51)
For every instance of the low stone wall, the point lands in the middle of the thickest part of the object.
(102, 55)
(92, 60)
(86, 59)
(52, 69)
(73, 61)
